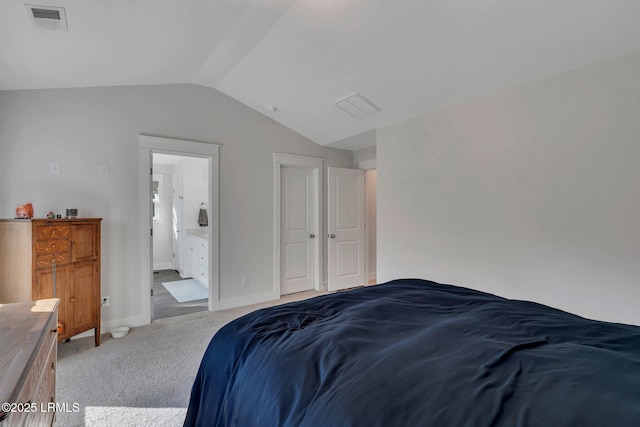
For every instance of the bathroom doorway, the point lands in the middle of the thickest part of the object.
(180, 244)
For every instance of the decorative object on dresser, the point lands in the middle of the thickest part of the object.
(24, 211)
(28, 359)
(54, 258)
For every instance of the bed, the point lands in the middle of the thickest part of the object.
(417, 353)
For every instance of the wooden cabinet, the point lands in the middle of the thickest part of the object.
(63, 257)
(28, 359)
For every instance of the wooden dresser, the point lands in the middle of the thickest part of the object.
(28, 359)
(56, 258)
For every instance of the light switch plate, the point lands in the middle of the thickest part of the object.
(104, 170)
(54, 168)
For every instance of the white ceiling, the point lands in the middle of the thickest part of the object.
(409, 57)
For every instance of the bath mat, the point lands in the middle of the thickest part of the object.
(187, 290)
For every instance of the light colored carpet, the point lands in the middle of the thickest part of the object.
(143, 378)
(187, 290)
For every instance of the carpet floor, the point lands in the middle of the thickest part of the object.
(143, 378)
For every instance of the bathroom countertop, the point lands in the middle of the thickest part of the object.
(202, 232)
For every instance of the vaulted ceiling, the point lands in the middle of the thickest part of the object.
(297, 57)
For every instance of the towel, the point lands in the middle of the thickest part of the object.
(203, 218)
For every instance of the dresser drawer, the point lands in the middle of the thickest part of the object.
(55, 231)
(40, 362)
(45, 392)
(39, 386)
(44, 261)
(38, 391)
(52, 246)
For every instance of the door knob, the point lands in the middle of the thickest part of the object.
(312, 235)
(333, 236)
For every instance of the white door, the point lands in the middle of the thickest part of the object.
(346, 228)
(297, 228)
(150, 200)
(176, 215)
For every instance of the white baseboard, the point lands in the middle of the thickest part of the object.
(162, 266)
(109, 325)
(133, 321)
(246, 300)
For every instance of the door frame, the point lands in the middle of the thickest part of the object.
(289, 160)
(153, 144)
(178, 239)
(368, 165)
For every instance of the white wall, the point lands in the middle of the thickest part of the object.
(533, 193)
(195, 186)
(357, 142)
(88, 127)
(364, 154)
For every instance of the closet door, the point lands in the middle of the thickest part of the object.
(345, 219)
(83, 292)
(83, 297)
(298, 225)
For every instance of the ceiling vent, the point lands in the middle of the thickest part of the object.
(46, 17)
(356, 105)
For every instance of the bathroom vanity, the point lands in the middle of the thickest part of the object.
(198, 254)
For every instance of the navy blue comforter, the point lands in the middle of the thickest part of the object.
(418, 353)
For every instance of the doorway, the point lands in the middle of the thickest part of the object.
(180, 237)
(149, 146)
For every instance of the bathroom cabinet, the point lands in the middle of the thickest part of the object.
(198, 257)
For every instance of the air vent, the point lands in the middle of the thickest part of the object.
(46, 17)
(356, 105)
